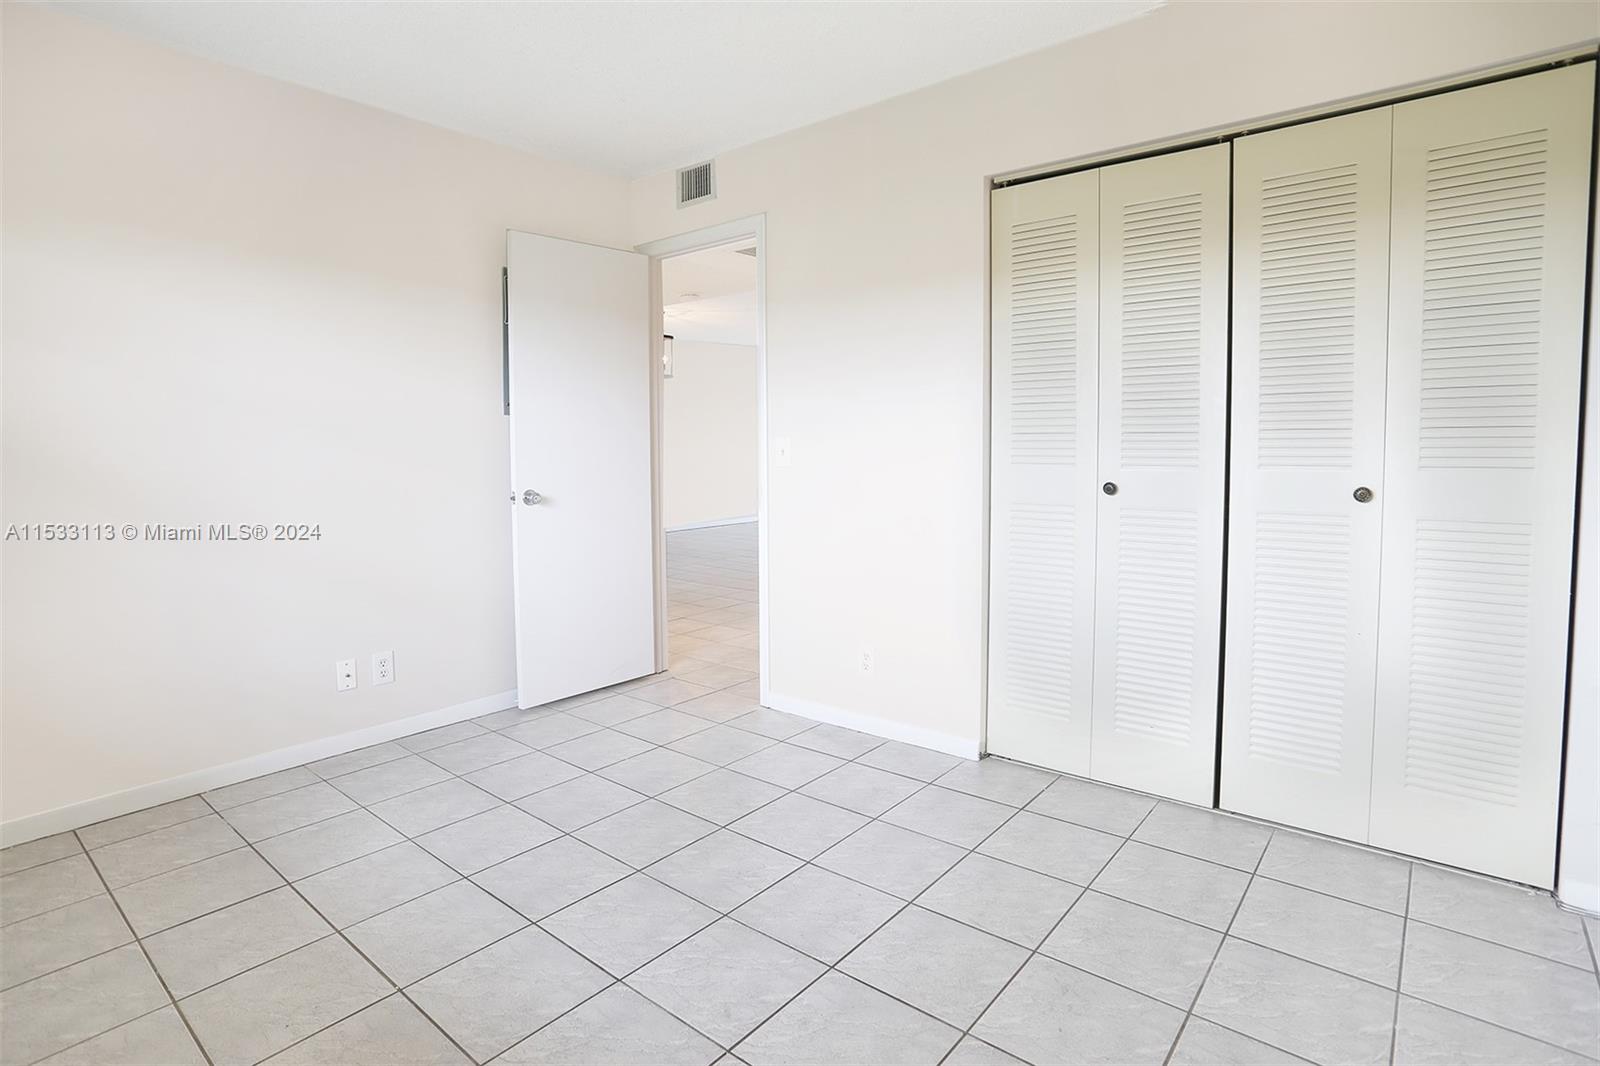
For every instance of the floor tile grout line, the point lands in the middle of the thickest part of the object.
(245, 842)
(164, 929)
(828, 967)
(1498, 1025)
(1031, 952)
(134, 836)
(1342, 899)
(336, 931)
(393, 994)
(968, 851)
(833, 967)
(46, 862)
(1200, 988)
(456, 879)
(150, 962)
(1224, 933)
(797, 789)
(810, 860)
(1405, 914)
(371, 766)
(905, 904)
(1035, 950)
(251, 844)
(614, 980)
(821, 962)
(119, 1025)
(57, 907)
(1494, 943)
(69, 965)
(1588, 937)
(257, 965)
(1277, 950)
(1400, 971)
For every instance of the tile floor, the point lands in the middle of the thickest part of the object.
(666, 872)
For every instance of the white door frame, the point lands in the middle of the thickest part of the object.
(738, 230)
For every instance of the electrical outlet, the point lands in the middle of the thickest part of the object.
(780, 451)
(382, 667)
(344, 674)
(866, 661)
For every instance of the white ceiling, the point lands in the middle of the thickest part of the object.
(729, 319)
(712, 272)
(628, 87)
(710, 296)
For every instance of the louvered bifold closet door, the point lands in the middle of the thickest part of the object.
(1163, 406)
(1488, 255)
(1042, 481)
(1310, 327)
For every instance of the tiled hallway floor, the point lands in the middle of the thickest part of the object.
(667, 873)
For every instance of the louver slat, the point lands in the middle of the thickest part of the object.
(1311, 263)
(1482, 276)
(1042, 490)
(1162, 407)
(1491, 196)
(1044, 334)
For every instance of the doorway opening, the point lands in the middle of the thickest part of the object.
(710, 460)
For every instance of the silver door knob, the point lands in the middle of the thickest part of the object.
(1363, 494)
(1109, 488)
(530, 497)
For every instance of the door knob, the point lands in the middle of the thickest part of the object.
(1363, 494)
(1109, 488)
(530, 497)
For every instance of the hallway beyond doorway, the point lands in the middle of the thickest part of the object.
(712, 628)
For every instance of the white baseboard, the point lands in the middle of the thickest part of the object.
(88, 812)
(1580, 896)
(739, 521)
(889, 729)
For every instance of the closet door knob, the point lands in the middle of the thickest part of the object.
(1109, 488)
(1363, 494)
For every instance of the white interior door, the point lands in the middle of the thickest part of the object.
(1163, 413)
(578, 349)
(1045, 265)
(1310, 327)
(1485, 348)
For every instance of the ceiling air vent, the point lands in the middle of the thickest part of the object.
(696, 183)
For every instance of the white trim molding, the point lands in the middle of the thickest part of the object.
(887, 728)
(116, 804)
(739, 229)
(739, 520)
(1578, 870)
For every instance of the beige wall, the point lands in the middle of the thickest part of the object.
(228, 299)
(876, 264)
(708, 428)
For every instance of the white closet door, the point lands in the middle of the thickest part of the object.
(1042, 483)
(1163, 406)
(1485, 341)
(1310, 327)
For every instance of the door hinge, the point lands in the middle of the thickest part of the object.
(505, 339)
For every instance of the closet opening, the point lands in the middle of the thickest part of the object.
(1391, 303)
